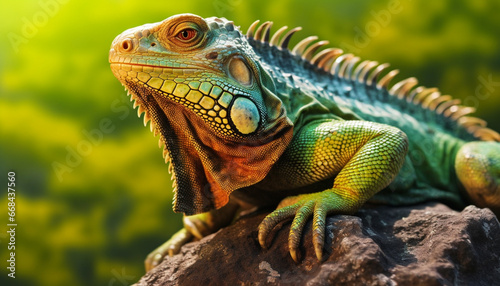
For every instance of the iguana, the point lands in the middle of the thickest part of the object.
(245, 120)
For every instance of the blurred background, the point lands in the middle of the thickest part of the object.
(93, 194)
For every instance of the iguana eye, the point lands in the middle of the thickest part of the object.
(187, 34)
(183, 33)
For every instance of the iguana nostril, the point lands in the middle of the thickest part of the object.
(127, 45)
(212, 56)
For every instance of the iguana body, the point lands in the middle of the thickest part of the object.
(245, 120)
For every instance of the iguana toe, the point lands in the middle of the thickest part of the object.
(299, 221)
(171, 247)
(301, 208)
(319, 230)
(198, 226)
(271, 220)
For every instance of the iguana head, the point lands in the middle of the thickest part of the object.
(214, 106)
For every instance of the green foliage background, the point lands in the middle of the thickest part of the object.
(94, 223)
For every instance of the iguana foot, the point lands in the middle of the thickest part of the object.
(301, 208)
(195, 226)
(478, 168)
(171, 247)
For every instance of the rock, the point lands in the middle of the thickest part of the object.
(428, 244)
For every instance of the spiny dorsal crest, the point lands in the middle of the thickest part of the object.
(348, 67)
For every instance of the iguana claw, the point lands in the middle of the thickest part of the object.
(301, 208)
(272, 220)
(301, 218)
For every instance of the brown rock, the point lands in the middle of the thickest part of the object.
(424, 245)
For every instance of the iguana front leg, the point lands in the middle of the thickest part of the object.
(364, 157)
(195, 226)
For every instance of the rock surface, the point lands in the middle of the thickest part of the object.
(425, 245)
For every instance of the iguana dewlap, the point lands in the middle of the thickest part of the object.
(246, 119)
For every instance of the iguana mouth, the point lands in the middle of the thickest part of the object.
(149, 62)
(123, 63)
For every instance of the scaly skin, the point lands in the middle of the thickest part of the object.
(478, 168)
(246, 121)
(364, 157)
